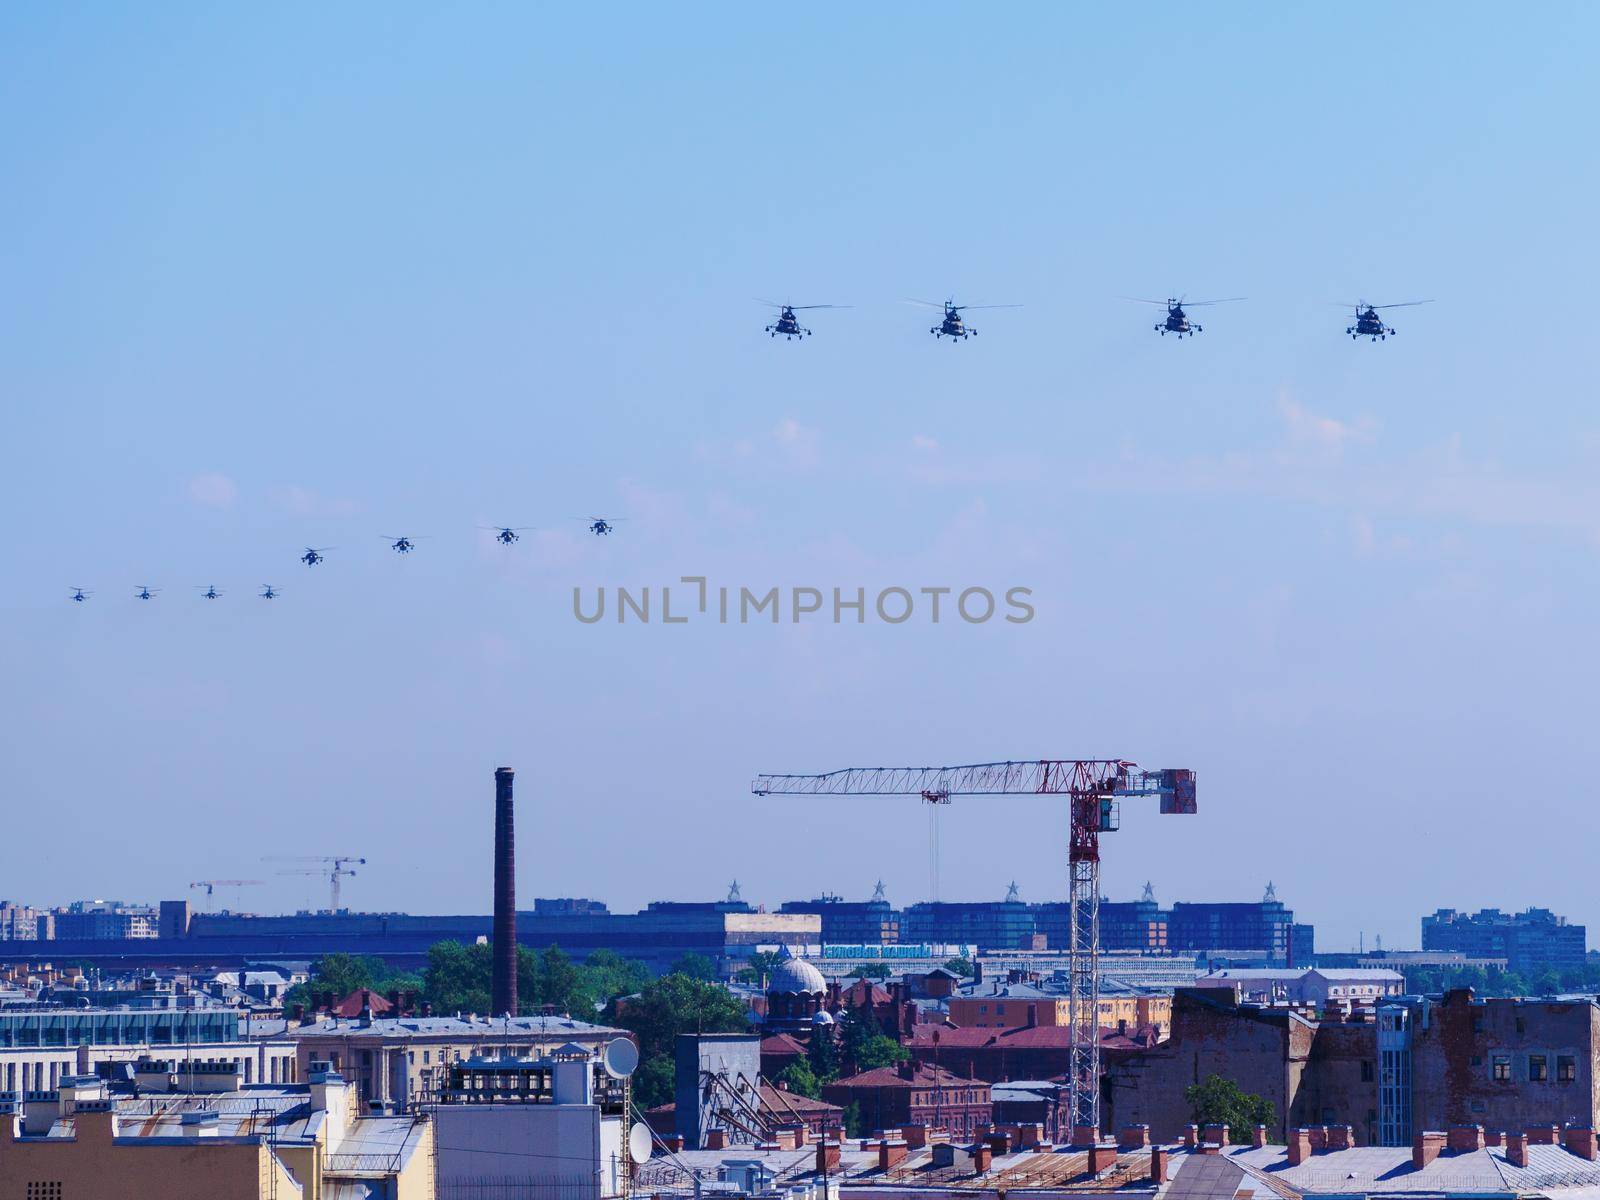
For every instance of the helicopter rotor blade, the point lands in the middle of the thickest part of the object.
(925, 303)
(967, 306)
(1228, 300)
(1404, 304)
(1142, 300)
(803, 307)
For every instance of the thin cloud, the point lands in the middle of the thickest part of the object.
(213, 490)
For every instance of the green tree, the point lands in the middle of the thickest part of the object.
(865, 1045)
(342, 974)
(695, 966)
(872, 970)
(822, 1055)
(665, 1008)
(1219, 1101)
(608, 975)
(852, 1120)
(653, 1081)
(799, 1079)
(961, 966)
(458, 977)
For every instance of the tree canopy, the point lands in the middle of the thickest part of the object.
(1219, 1101)
(662, 1010)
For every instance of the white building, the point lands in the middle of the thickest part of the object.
(1356, 986)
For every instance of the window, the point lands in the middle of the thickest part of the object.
(44, 1191)
(1477, 1106)
(1500, 1068)
(1477, 1060)
(1566, 1068)
(1537, 1071)
(1366, 1070)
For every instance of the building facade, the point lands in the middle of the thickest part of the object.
(1529, 941)
(915, 1093)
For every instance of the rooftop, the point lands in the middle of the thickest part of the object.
(465, 1026)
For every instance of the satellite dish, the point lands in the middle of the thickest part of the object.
(640, 1142)
(621, 1059)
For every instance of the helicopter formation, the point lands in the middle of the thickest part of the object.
(953, 326)
(506, 535)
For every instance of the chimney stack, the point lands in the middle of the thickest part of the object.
(503, 991)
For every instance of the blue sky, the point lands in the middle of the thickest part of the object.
(298, 276)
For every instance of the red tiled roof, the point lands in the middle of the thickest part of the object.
(781, 1043)
(922, 1075)
(352, 1004)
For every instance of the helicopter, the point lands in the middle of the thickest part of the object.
(145, 592)
(313, 556)
(267, 592)
(506, 535)
(786, 323)
(952, 325)
(210, 593)
(1177, 321)
(1370, 324)
(601, 525)
(402, 545)
(80, 595)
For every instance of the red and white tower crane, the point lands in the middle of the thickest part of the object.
(1093, 788)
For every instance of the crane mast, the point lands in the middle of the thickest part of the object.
(1093, 788)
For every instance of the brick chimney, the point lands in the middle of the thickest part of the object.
(1319, 1137)
(1425, 1147)
(1581, 1142)
(1299, 1146)
(1215, 1133)
(1517, 1149)
(1258, 1136)
(1463, 1139)
(1158, 1164)
(1544, 1135)
(827, 1157)
(1191, 1136)
(1134, 1137)
(1102, 1158)
(1084, 1136)
(982, 1156)
(1339, 1137)
(891, 1153)
(503, 987)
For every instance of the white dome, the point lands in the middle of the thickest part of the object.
(795, 976)
(822, 1017)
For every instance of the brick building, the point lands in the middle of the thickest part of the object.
(915, 1093)
(998, 1055)
(1312, 1071)
(1498, 1063)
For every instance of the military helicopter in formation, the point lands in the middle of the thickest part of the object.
(1370, 325)
(146, 592)
(268, 592)
(1177, 320)
(951, 325)
(786, 323)
(506, 535)
(79, 594)
(313, 556)
(210, 593)
(401, 545)
(601, 525)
